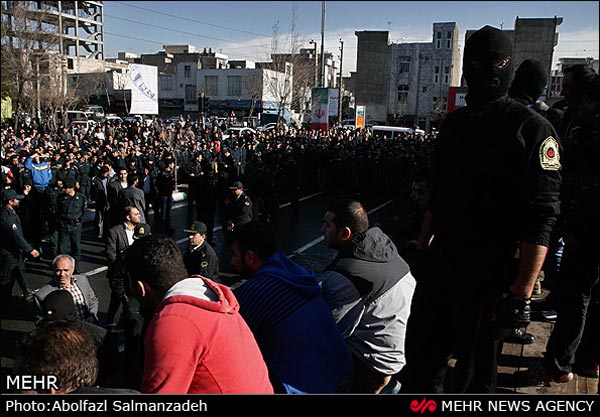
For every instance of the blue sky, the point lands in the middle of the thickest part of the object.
(244, 29)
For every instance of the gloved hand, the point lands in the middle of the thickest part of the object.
(513, 312)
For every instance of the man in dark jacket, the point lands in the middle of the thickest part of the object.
(369, 288)
(495, 191)
(12, 247)
(200, 258)
(119, 238)
(99, 194)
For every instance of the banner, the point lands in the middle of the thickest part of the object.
(360, 117)
(334, 101)
(144, 89)
(320, 109)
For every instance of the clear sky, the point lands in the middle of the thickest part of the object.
(244, 29)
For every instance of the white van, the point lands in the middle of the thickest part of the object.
(391, 132)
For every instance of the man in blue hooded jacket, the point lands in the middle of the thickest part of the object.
(282, 304)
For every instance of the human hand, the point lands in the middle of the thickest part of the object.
(513, 312)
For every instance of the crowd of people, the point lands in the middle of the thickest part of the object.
(508, 180)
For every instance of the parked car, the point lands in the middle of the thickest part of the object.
(85, 125)
(240, 131)
(93, 111)
(114, 119)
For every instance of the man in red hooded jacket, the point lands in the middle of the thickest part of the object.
(196, 341)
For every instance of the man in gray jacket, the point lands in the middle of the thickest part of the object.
(369, 288)
(78, 285)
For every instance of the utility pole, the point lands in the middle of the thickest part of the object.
(340, 94)
(316, 77)
(322, 80)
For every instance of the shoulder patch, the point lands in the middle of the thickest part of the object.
(549, 156)
(14, 226)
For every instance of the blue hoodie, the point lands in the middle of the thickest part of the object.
(294, 328)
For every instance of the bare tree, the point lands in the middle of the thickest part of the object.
(254, 85)
(297, 66)
(31, 57)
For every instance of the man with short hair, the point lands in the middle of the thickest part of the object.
(133, 196)
(369, 288)
(99, 195)
(78, 285)
(196, 340)
(12, 247)
(200, 258)
(118, 239)
(282, 303)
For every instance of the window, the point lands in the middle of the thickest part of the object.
(166, 83)
(424, 88)
(210, 83)
(403, 94)
(439, 35)
(187, 71)
(234, 85)
(436, 75)
(446, 79)
(449, 34)
(438, 44)
(449, 44)
(190, 94)
(403, 67)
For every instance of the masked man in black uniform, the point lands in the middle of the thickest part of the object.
(495, 191)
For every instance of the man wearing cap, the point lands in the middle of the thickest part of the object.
(12, 247)
(238, 210)
(200, 258)
(118, 239)
(72, 206)
(495, 190)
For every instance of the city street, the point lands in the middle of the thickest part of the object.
(299, 238)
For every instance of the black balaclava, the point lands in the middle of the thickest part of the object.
(487, 64)
(529, 82)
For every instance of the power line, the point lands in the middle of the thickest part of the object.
(175, 30)
(192, 20)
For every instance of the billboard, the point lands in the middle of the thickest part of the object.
(456, 98)
(334, 101)
(144, 89)
(360, 117)
(320, 107)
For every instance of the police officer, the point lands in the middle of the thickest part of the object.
(495, 190)
(200, 258)
(238, 208)
(573, 343)
(12, 247)
(71, 208)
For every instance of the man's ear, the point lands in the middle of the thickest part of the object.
(141, 287)
(345, 233)
(249, 257)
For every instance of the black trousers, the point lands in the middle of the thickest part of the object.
(452, 317)
(577, 284)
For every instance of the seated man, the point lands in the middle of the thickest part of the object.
(196, 340)
(78, 285)
(282, 303)
(369, 288)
